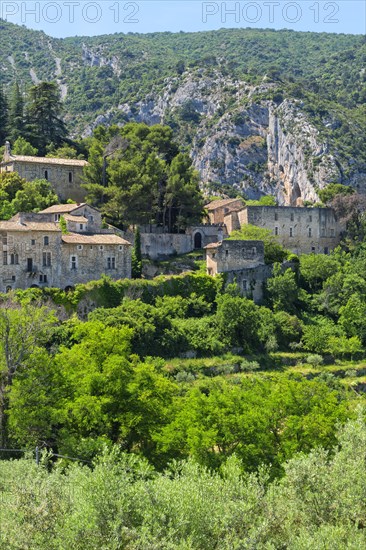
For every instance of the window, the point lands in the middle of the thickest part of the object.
(332, 233)
(245, 285)
(292, 217)
(57, 217)
(226, 253)
(5, 258)
(254, 250)
(43, 278)
(326, 250)
(313, 248)
(73, 262)
(309, 231)
(101, 247)
(13, 278)
(14, 259)
(91, 218)
(91, 247)
(70, 177)
(46, 259)
(276, 216)
(80, 246)
(310, 218)
(276, 230)
(291, 232)
(46, 174)
(120, 247)
(81, 226)
(5, 240)
(46, 241)
(29, 265)
(33, 242)
(111, 263)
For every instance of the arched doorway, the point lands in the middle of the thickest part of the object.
(198, 240)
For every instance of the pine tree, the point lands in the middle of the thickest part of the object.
(16, 114)
(3, 117)
(45, 125)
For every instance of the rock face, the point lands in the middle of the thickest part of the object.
(238, 136)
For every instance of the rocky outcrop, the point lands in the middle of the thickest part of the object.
(238, 135)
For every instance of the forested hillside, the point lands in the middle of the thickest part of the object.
(263, 110)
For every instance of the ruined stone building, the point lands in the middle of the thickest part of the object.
(38, 252)
(299, 229)
(65, 175)
(242, 262)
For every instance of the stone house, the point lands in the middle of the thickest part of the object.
(218, 209)
(242, 262)
(37, 253)
(299, 229)
(65, 175)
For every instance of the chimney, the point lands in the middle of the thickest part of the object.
(7, 152)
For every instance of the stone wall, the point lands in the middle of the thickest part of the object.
(91, 262)
(161, 245)
(26, 250)
(301, 230)
(58, 175)
(230, 255)
(250, 281)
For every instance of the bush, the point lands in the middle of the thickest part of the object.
(314, 360)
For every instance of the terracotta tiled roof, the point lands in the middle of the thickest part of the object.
(61, 208)
(219, 203)
(100, 238)
(29, 226)
(77, 219)
(45, 160)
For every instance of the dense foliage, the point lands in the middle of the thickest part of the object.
(123, 503)
(137, 175)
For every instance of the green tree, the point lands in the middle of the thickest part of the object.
(327, 194)
(16, 114)
(44, 123)
(22, 330)
(23, 147)
(282, 289)
(35, 195)
(136, 259)
(3, 117)
(273, 251)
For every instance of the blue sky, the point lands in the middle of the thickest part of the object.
(63, 18)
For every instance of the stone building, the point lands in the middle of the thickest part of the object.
(157, 245)
(65, 175)
(218, 209)
(242, 262)
(299, 229)
(37, 252)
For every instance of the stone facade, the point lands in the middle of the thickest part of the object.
(242, 262)
(218, 209)
(36, 253)
(299, 229)
(65, 175)
(157, 245)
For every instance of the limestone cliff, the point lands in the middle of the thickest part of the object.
(242, 135)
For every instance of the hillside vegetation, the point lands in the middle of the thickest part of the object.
(221, 92)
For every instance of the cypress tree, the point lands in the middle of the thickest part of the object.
(136, 256)
(3, 117)
(16, 114)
